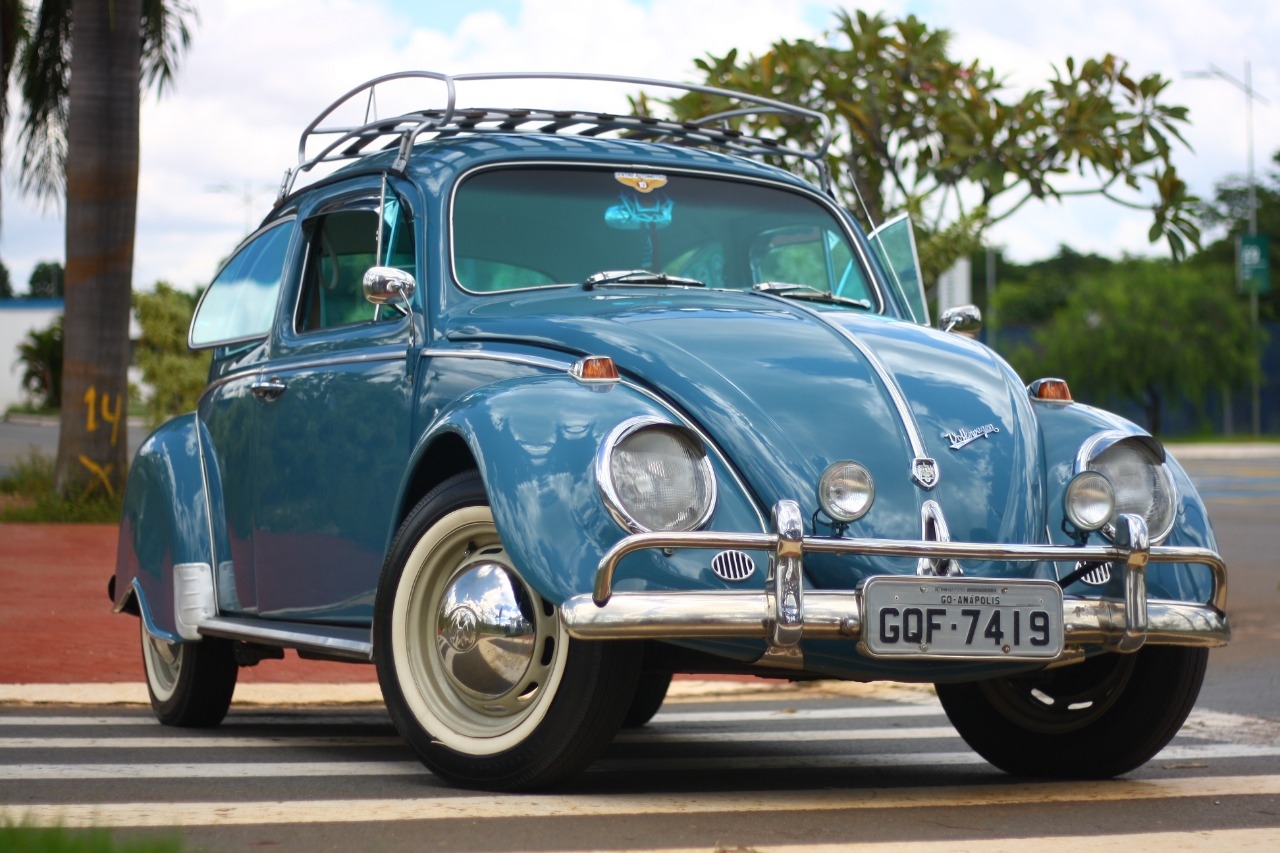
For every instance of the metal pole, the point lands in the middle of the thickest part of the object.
(1253, 230)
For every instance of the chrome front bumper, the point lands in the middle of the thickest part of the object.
(783, 612)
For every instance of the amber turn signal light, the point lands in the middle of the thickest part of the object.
(1050, 389)
(595, 368)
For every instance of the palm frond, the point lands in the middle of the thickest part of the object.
(44, 77)
(166, 36)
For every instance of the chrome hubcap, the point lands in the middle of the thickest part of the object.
(485, 629)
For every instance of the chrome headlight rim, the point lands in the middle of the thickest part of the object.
(1101, 442)
(609, 493)
(843, 468)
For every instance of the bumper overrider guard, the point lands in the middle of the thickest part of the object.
(784, 613)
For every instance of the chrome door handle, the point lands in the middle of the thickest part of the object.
(268, 389)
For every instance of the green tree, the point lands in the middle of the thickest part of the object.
(1030, 294)
(1149, 332)
(174, 374)
(46, 281)
(81, 93)
(6, 285)
(1229, 210)
(916, 130)
(40, 355)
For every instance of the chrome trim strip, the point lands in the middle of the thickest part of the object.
(905, 415)
(282, 365)
(526, 360)
(350, 643)
(603, 590)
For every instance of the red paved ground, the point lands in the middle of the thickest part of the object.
(56, 624)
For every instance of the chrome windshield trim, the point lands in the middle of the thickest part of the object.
(803, 188)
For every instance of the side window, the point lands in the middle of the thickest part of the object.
(808, 255)
(239, 304)
(341, 247)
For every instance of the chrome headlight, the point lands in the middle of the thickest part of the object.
(1089, 501)
(655, 476)
(1141, 481)
(846, 491)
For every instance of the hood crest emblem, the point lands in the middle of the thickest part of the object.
(967, 436)
(924, 471)
(640, 182)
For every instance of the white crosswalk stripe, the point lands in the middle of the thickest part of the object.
(681, 739)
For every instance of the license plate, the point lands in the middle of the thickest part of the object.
(921, 617)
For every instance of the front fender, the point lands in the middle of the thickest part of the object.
(165, 522)
(1064, 428)
(535, 441)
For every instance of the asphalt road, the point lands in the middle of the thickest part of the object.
(801, 771)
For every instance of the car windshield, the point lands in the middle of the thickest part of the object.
(516, 228)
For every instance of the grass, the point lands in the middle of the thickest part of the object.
(27, 495)
(31, 839)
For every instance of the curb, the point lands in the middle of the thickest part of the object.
(321, 695)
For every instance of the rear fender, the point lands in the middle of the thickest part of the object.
(166, 522)
(535, 442)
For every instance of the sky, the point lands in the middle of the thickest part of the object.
(215, 148)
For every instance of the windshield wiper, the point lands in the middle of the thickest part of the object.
(812, 294)
(639, 277)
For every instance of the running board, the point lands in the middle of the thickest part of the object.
(329, 641)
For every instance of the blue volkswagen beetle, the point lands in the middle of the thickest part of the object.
(533, 408)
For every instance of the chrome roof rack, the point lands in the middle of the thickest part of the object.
(322, 143)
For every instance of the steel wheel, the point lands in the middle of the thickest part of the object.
(1095, 719)
(476, 651)
(190, 684)
(477, 671)
(163, 662)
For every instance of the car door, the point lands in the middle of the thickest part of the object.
(333, 436)
(234, 319)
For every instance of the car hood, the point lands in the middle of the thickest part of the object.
(784, 389)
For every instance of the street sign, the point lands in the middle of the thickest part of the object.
(1254, 263)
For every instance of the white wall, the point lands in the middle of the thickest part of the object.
(17, 318)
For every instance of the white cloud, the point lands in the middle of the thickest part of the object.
(259, 70)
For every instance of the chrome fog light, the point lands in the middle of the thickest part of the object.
(1090, 501)
(846, 491)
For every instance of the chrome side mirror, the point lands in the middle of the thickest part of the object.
(962, 318)
(391, 286)
(388, 285)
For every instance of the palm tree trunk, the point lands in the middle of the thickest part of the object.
(102, 189)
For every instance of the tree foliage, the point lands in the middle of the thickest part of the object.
(917, 130)
(81, 89)
(46, 281)
(40, 355)
(1229, 211)
(1151, 333)
(173, 374)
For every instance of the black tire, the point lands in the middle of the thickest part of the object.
(190, 683)
(1092, 720)
(492, 697)
(650, 693)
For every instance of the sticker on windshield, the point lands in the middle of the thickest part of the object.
(639, 182)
